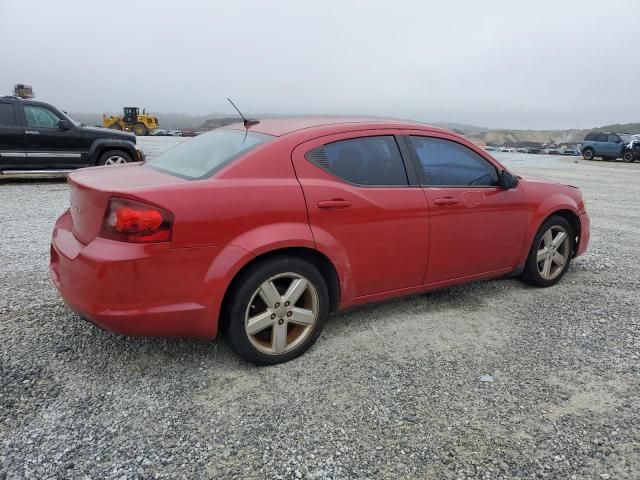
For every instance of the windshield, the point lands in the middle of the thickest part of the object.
(625, 138)
(202, 156)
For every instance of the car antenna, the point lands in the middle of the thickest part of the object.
(247, 121)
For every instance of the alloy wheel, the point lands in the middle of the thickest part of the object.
(281, 313)
(115, 160)
(553, 252)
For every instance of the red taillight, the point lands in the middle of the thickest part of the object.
(132, 221)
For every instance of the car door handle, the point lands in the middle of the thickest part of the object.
(335, 203)
(31, 132)
(446, 201)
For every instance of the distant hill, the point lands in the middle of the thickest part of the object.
(512, 138)
(632, 128)
(490, 136)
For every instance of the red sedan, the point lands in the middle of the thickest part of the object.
(261, 230)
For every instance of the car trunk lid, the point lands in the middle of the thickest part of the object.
(91, 188)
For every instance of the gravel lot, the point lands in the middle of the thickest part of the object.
(389, 391)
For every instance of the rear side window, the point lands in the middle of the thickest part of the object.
(203, 155)
(363, 161)
(602, 137)
(7, 115)
(447, 163)
(590, 137)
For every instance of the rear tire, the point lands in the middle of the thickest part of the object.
(587, 154)
(114, 157)
(140, 129)
(550, 253)
(265, 328)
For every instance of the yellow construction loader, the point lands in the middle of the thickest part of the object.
(131, 121)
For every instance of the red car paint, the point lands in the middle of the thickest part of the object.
(382, 242)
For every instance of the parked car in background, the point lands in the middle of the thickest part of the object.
(504, 149)
(174, 133)
(37, 137)
(534, 150)
(631, 151)
(571, 151)
(521, 150)
(159, 133)
(608, 146)
(188, 133)
(349, 212)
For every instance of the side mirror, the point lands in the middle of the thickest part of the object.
(508, 180)
(64, 125)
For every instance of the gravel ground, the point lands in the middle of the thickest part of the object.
(490, 380)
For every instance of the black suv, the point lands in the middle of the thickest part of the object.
(35, 136)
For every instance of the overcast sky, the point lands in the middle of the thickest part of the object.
(517, 64)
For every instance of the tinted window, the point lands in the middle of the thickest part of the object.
(40, 117)
(207, 153)
(363, 161)
(602, 137)
(590, 137)
(7, 115)
(448, 163)
(613, 138)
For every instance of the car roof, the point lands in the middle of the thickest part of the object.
(28, 101)
(285, 125)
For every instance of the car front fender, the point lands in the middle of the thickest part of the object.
(555, 202)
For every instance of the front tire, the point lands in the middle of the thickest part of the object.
(276, 310)
(550, 253)
(140, 129)
(627, 156)
(114, 157)
(587, 154)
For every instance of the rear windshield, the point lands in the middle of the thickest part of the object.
(205, 154)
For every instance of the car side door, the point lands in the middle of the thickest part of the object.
(50, 142)
(600, 144)
(12, 153)
(614, 145)
(476, 226)
(365, 210)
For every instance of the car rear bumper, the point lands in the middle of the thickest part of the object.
(138, 289)
(585, 234)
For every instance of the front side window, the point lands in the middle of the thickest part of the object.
(613, 138)
(448, 163)
(7, 115)
(369, 161)
(40, 117)
(205, 154)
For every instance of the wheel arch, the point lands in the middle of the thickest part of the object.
(573, 219)
(315, 257)
(100, 146)
(588, 147)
